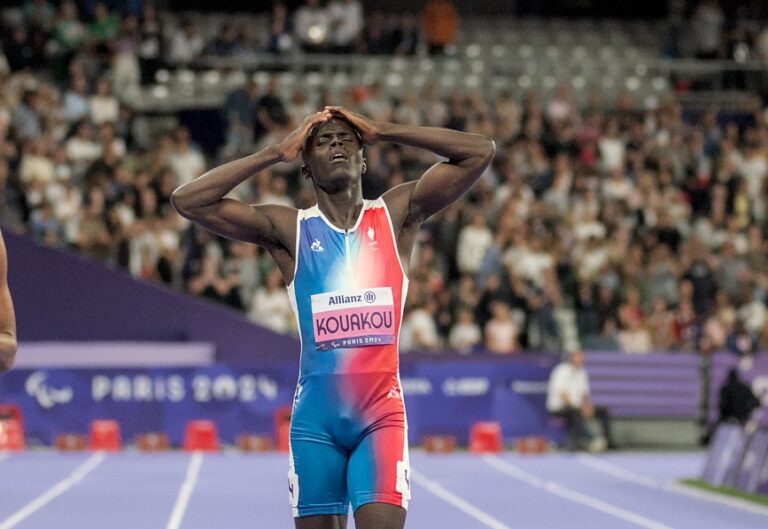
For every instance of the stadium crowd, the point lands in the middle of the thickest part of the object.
(647, 224)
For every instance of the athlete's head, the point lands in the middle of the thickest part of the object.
(333, 155)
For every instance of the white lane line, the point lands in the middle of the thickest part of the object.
(185, 492)
(48, 496)
(578, 497)
(619, 472)
(692, 492)
(456, 501)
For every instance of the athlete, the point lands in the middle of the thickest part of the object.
(345, 262)
(7, 318)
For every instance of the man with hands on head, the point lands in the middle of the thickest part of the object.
(345, 262)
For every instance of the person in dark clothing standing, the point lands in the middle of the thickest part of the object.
(736, 399)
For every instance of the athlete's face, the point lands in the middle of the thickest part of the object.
(333, 156)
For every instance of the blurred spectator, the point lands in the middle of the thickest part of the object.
(568, 397)
(104, 106)
(736, 400)
(280, 29)
(376, 38)
(186, 44)
(210, 283)
(440, 21)
(501, 331)
(69, 31)
(474, 240)
(105, 24)
(240, 114)
(464, 334)
(707, 26)
(346, 24)
(26, 118)
(151, 43)
(270, 305)
(186, 161)
(419, 330)
(126, 73)
(635, 339)
(312, 24)
(76, 104)
(405, 38)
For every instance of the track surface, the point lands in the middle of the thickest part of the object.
(128, 490)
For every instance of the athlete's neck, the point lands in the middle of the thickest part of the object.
(342, 208)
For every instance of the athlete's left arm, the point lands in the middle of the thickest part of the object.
(7, 319)
(468, 155)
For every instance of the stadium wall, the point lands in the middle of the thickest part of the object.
(59, 296)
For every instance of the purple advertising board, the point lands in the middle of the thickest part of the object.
(724, 455)
(442, 397)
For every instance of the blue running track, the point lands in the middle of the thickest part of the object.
(231, 490)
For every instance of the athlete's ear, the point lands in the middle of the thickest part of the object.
(365, 166)
(304, 170)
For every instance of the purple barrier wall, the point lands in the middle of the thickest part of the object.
(654, 385)
(60, 296)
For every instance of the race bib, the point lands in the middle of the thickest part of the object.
(353, 318)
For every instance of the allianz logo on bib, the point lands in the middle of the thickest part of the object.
(369, 297)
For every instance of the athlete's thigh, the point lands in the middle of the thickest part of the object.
(317, 479)
(378, 467)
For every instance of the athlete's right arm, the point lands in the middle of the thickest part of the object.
(7, 318)
(202, 200)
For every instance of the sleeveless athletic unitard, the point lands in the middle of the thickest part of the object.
(348, 440)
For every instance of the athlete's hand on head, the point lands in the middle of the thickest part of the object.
(368, 129)
(290, 147)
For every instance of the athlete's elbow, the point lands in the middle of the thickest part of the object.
(180, 200)
(487, 150)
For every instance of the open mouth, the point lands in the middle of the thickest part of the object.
(338, 157)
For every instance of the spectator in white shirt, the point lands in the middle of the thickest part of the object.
(419, 330)
(187, 163)
(501, 331)
(464, 334)
(474, 240)
(81, 149)
(313, 25)
(346, 24)
(635, 339)
(186, 45)
(568, 397)
(104, 106)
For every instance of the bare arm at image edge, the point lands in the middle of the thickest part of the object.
(7, 316)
